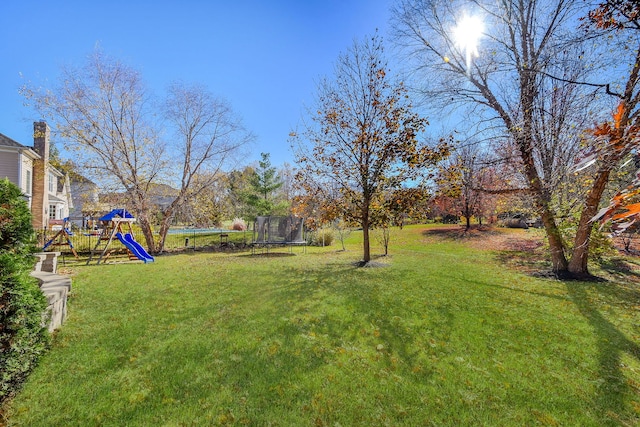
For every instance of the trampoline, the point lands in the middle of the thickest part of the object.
(269, 231)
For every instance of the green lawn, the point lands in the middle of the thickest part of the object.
(443, 335)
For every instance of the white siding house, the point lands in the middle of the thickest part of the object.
(46, 189)
(16, 164)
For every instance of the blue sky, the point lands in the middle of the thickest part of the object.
(265, 57)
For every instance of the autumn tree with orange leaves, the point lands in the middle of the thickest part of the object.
(613, 141)
(466, 178)
(362, 141)
(619, 138)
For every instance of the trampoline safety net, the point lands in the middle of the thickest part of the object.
(274, 230)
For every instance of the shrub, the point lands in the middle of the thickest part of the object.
(449, 219)
(342, 231)
(239, 224)
(322, 237)
(383, 236)
(23, 336)
(600, 244)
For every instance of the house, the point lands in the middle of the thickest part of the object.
(16, 164)
(46, 189)
(86, 202)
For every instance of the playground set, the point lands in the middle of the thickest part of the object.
(112, 224)
(268, 232)
(62, 237)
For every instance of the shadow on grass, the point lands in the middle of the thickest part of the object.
(323, 327)
(613, 390)
(376, 315)
(268, 255)
(621, 268)
(528, 262)
(618, 286)
(454, 232)
(612, 345)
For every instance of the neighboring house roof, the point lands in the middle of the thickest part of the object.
(5, 141)
(8, 142)
(57, 199)
(75, 177)
(55, 171)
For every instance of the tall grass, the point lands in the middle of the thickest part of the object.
(443, 335)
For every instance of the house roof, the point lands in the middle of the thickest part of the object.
(5, 141)
(8, 142)
(56, 199)
(55, 171)
(75, 177)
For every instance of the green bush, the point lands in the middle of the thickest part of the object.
(601, 246)
(23, 336)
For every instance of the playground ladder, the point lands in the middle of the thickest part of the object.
(106, 246)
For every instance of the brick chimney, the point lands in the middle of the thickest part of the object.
(40, 193)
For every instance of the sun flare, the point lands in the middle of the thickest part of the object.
(466, 36)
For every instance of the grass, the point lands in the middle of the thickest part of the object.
(443, 335)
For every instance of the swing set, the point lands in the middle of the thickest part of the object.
(113, 223)
(62, 237)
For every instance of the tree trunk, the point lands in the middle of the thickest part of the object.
(167, 218)
(366, 251)
(387, 237)
(580, 256)
(145, 226)
(165, 224)
(467, 212)
(559, 263)
(162, 233)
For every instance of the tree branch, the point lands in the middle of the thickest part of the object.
(607, 86)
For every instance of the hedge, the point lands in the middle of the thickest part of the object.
(23, 334)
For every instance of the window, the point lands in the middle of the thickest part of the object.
(52, 212)
(27, 184)
(52, 183)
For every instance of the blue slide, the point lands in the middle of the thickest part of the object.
(134, 247)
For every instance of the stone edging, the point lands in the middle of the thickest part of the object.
(55, 287)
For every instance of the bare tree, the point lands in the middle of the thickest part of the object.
(523, 87)
(209, 207)
(363, 136)
(102, 114)
(286, 174)
(208, 134)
